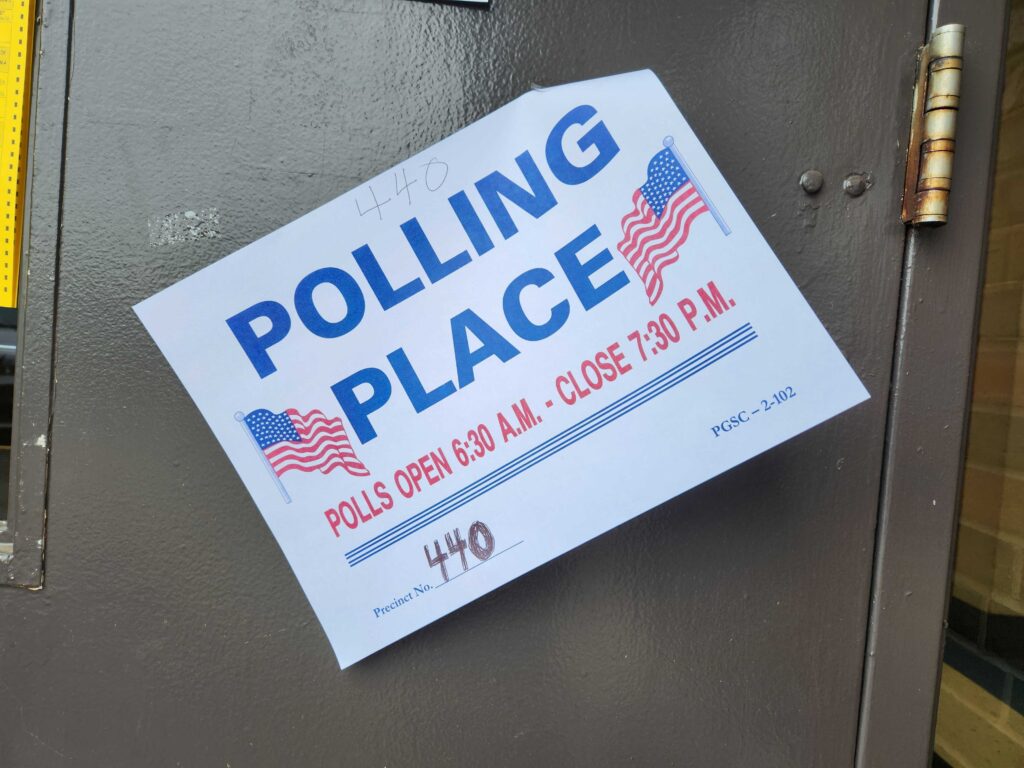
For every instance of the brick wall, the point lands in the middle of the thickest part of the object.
(989, 569)
(975, 729)
(981, 703)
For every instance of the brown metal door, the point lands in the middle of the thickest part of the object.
(725, 628)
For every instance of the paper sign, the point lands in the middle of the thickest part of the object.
(542, 326)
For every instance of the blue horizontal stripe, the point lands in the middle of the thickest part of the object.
(627, 401)
(674, 376)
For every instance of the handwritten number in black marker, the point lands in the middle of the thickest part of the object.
(481, 541)
(457, 545)
(438, 559)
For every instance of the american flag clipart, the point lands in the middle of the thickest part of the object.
(664, 209)
(305, 442)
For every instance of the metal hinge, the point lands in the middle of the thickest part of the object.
(933, 128)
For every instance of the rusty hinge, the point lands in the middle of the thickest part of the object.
(933, 128)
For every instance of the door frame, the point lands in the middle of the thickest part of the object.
(23, 534)
(929, 400)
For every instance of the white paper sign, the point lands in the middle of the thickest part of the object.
(532, 331)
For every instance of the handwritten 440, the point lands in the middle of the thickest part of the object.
(480, 543)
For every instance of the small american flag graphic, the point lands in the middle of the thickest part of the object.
(663, 210)
(292, 440)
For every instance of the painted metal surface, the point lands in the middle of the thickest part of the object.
(39, 286)
(725, 628)
(931, 390)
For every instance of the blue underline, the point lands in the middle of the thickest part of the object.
(667, 380)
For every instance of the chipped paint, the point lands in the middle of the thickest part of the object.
(184, 227)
